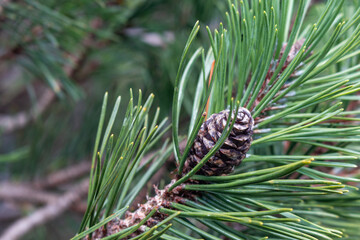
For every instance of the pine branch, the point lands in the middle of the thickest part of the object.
(20, 120)
(290, 85)
(50, 211)
(64, 175)
(19, 192)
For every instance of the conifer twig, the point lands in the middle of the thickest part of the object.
(9, 123)
(46, 213)
(24, 192)
(64, 175)
(10, 192)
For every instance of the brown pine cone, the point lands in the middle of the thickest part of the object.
(231, 153)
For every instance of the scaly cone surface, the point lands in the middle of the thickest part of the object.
(231, 153)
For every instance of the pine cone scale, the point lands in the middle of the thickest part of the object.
(231, 153)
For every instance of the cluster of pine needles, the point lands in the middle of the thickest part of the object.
(301, 83)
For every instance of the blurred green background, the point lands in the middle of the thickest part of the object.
(58, 58)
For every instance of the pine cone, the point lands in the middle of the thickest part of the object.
(231, 153)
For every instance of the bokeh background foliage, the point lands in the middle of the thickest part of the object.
(79, 51)
(57, 58)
